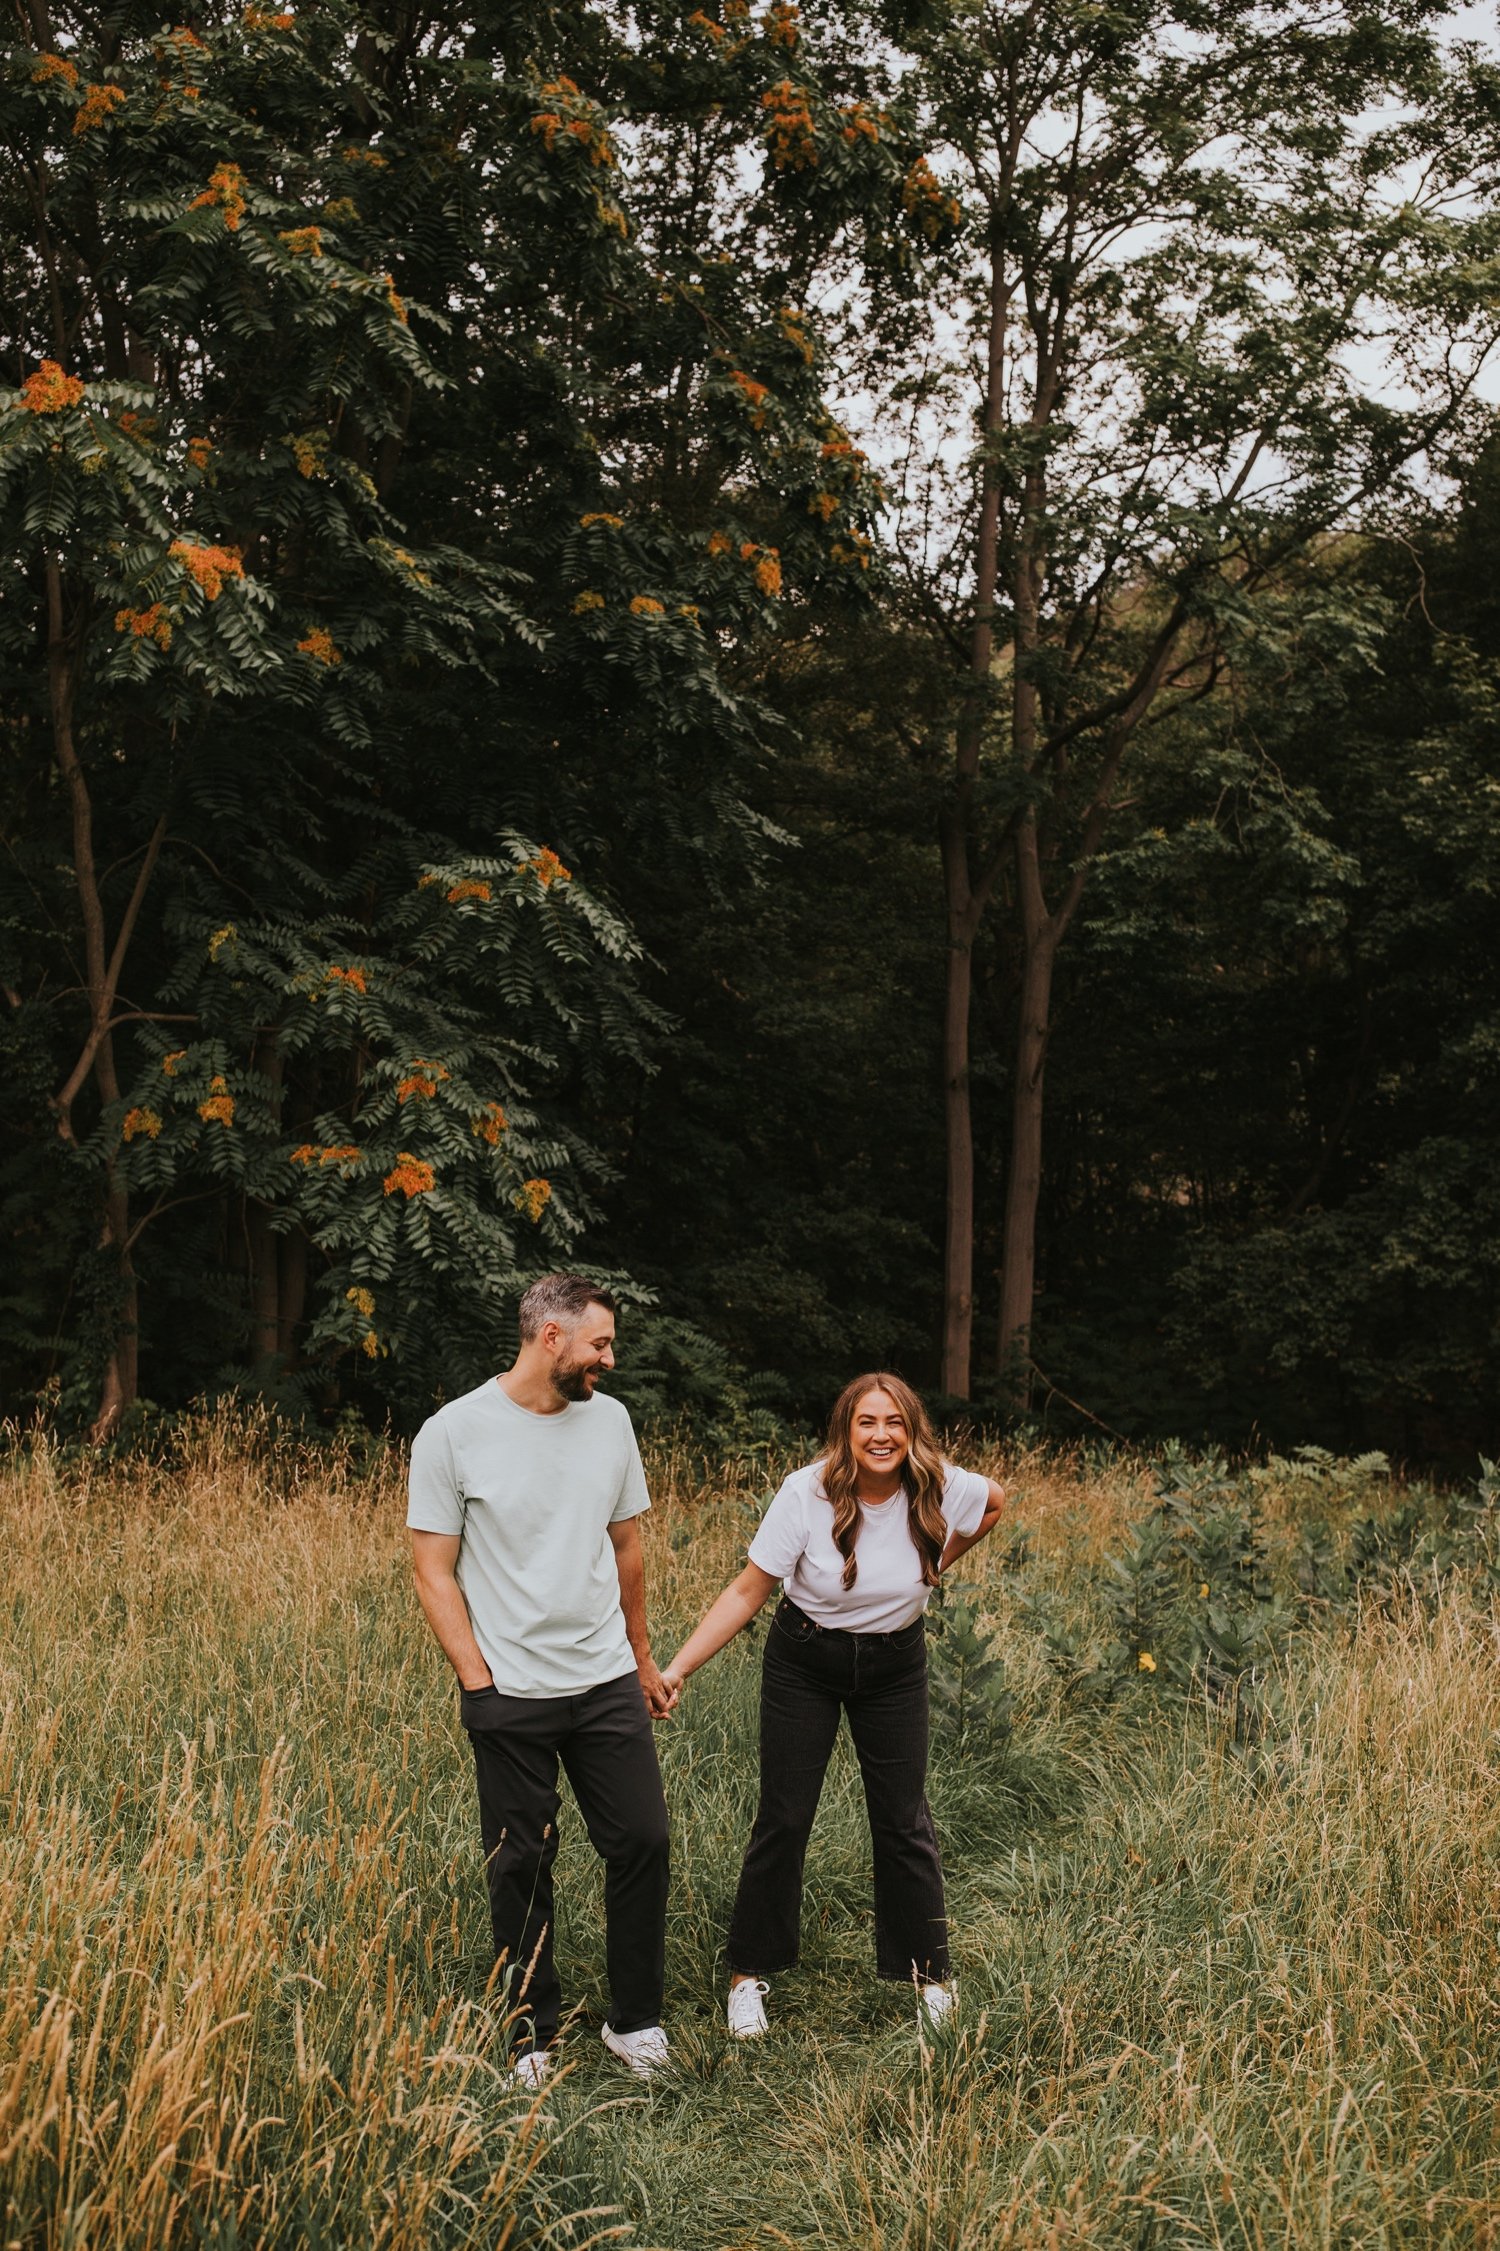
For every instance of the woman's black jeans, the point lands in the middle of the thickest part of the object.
(811, 1674)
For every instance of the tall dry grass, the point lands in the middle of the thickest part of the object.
(1212, 1994)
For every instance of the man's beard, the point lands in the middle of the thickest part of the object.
(572, 1382)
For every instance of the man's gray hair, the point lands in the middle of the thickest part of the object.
(559, 1297)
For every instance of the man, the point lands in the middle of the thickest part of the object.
(523, 1507)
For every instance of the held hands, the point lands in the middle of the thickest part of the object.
(660, 1690)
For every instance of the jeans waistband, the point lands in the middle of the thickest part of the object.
(786, 1608)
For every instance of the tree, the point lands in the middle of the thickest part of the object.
(1225, 290)
(328, 639)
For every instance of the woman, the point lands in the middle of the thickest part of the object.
(857, 1539)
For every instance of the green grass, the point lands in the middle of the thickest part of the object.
(1216, 1994)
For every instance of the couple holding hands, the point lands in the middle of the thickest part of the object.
(523, 1505)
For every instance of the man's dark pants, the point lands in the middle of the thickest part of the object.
(602, 1737)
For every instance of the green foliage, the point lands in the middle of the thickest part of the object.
(967, 1679)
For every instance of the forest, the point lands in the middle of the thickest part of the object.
(842, 665)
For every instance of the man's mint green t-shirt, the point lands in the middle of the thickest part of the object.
(532, 1498)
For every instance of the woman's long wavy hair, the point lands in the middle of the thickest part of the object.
(922, 1474)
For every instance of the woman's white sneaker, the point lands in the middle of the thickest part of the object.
(747, 2008)
(644, 2052)
(938, 2003)
(532, 2070)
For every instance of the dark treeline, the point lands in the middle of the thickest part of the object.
(800, 658)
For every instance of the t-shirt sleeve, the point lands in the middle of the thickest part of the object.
(434, 1500)
(632, 1498)
(781, 1534)
(965, 1497)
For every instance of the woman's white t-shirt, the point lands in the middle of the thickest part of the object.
(795, 1545)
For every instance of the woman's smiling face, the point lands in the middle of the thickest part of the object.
(877, 1436)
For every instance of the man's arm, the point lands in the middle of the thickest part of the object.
(630, 1563)
(434, 1555)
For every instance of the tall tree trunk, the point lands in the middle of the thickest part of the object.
(265, 1294)
(102, 967)
(958, 1238)
(1024, 1188)
(966, 894)
(293, 1297)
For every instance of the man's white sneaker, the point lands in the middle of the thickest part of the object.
(938, 2003)
(644, 2052)
(747, 2008)
(532, 2070)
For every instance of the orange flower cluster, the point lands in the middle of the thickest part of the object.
(309, 447)
(547, 868)
(266, 19)
(342, 211)
(789, 127)
(221, 939)
(533, 1198)
(720, 543)
(642, 605)
(372, 157)
(141, 1121)
(601, 516)
(49, 391)
(706, 23)
(793, 329)
(860, 122)
(208, 567)
(490, 1124)
(690, 611)
(319, 646)
(576, 117)
(396, 302)
(351, 977)
(611, 216)
(755, 395)
(146, 625)
(304, 242)
(471, 890)
(97, 106)
(331, 1153)
(767, 561)
(924, 200)
(824, 504)
(219, 1108)
(781, 24)
(583, 603)
(54, 66)
(170, 1062)
(421, 1082)
(363, 1301)
(736, 10)
(858, 551)
(141, 427)
(225, 192)
(409, 1176)
(198, 452)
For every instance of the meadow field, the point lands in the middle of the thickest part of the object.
(1224, 1884)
